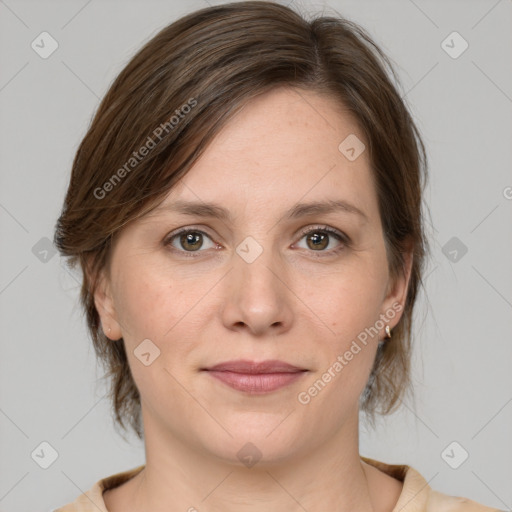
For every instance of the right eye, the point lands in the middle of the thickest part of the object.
(188, 241)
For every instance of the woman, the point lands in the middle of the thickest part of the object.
(246, 208)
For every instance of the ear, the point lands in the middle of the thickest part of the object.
(105, 306)
(397, 289)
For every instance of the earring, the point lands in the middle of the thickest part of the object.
(388, 332)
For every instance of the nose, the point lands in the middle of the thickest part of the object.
(257, 297)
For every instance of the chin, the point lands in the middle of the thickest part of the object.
(262, 443)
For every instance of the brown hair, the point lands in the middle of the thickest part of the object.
(188, 81)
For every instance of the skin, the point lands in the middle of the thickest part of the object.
(296, 302)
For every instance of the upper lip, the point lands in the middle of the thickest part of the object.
(253, 367)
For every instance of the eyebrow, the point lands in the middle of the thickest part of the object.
(212, 210)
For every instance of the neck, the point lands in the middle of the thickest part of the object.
(330, 476)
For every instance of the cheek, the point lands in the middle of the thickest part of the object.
(139, 306)
(151, 313)
(150, 299)
(352, 299)
(153, 305)
(345, 353)
(349, 307)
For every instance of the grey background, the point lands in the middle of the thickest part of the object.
(50, 387)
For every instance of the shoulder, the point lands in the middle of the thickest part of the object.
(92, 500)
(439, 502)
(418, 496)
(427, 499)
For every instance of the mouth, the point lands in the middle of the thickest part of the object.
(256, 378)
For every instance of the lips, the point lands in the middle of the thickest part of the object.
(256, 377)
(253, 367)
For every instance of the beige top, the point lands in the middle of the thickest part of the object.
(416, 495)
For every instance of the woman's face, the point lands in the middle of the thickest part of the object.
(264, 282)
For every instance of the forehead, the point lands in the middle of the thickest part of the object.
(281, 147)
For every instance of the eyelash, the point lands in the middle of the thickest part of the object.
(341, 237)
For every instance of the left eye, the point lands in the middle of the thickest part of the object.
(318, 239)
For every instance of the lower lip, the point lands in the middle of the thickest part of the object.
(256, 383)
